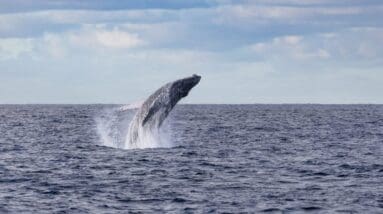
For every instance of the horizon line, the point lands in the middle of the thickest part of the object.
(282, 103)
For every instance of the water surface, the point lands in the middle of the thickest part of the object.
(226, 158)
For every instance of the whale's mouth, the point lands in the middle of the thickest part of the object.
(184, 86)
(197, 76)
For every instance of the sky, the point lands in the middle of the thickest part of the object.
(247, 51)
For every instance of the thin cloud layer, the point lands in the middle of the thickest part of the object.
(118, 50)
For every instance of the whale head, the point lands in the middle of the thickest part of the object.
(181, 88)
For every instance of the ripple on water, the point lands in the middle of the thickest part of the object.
(226, 158)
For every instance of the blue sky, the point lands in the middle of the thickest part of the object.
(259, 51)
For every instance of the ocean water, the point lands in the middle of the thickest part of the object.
(220, 159)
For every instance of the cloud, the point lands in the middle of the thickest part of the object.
(117, 39)
(257, 13)
(231, 24)
(36, 23)
(99, 37)
(24, 6)
(12, 48)
(289, 47)
(299, 2)
(89, 38)
(347, 45)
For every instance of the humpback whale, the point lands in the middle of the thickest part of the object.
(156, 108)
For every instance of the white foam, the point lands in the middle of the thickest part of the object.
(113, 125)
(155, 138)
(135, 105)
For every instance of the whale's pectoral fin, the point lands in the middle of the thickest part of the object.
(152, 111)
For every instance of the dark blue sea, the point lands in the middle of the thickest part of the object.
(221, 159)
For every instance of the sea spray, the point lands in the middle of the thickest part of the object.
(113, 129)
(110, 127)
(151, 138)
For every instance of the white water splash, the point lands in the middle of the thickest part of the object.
(135, 105)
(155, 138)
(113, 125)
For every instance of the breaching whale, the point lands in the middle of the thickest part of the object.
(156, 108)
